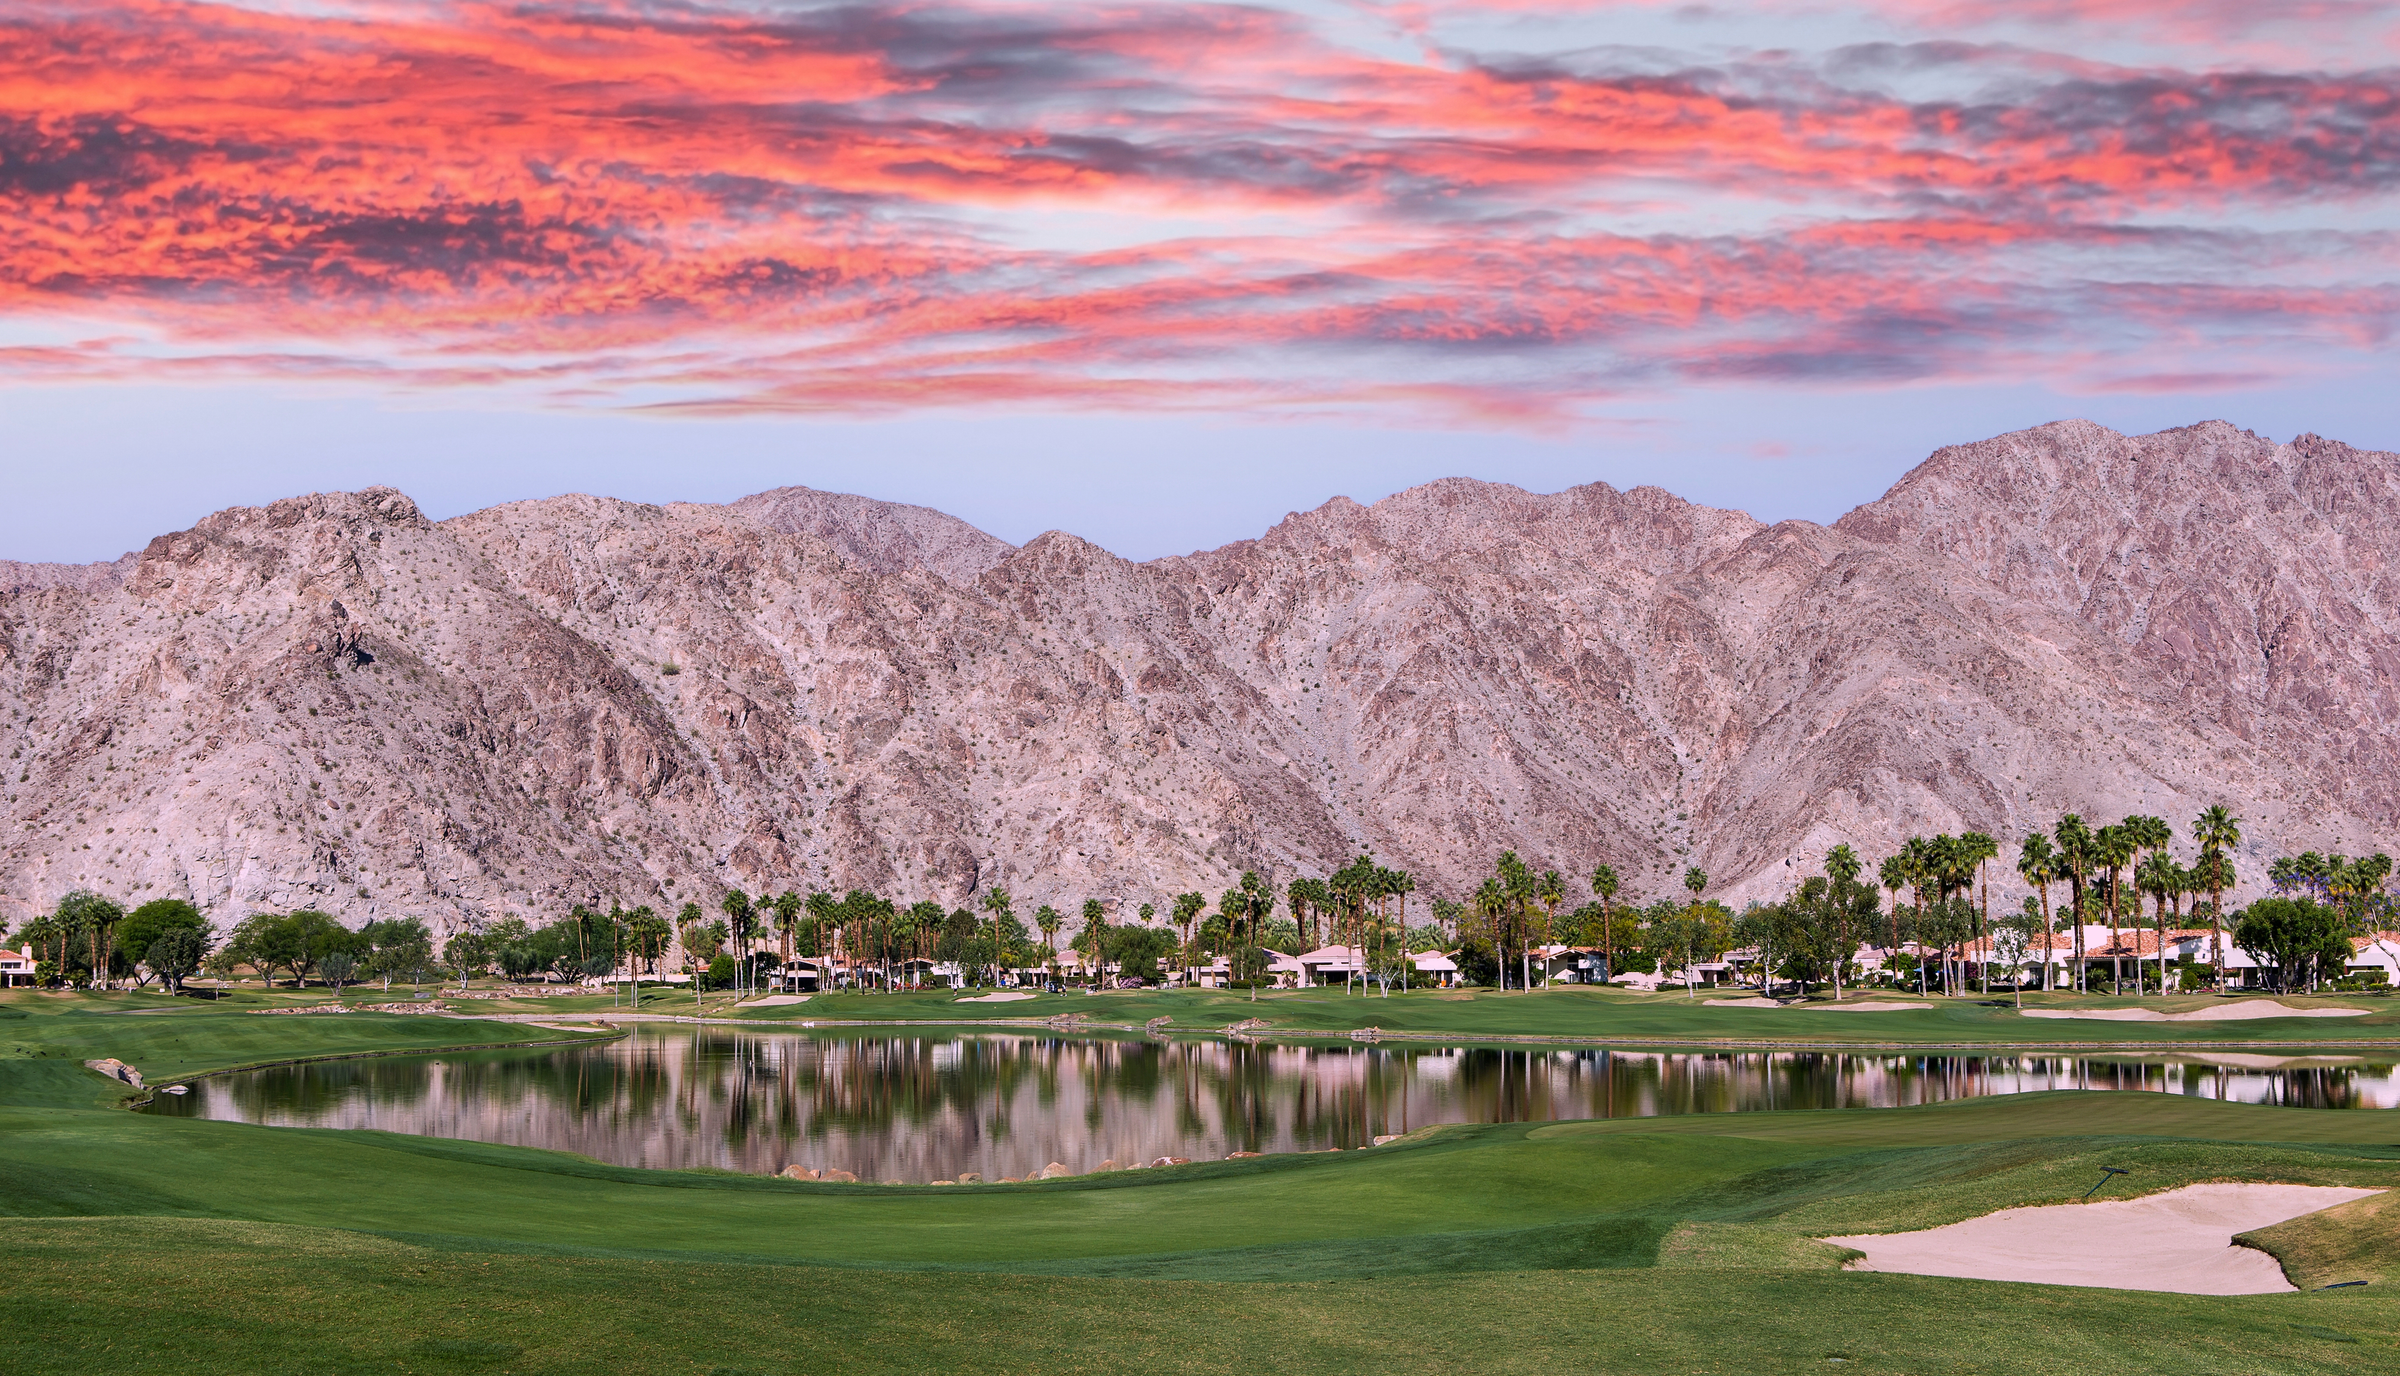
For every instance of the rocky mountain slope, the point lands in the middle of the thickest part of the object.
(334, 701)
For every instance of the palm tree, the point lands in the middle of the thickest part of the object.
(1187, 911)
(1551, 893)
(2218, 831)
(1978, 850)
(2114, 849)
(1604, 888)
(1893, 873)
(997, 904)
(1095, 926)
(1695, 879)
(2076, 847)
(1518, 883)
(2157, 876)
(2038, 864)
(1047, 921)
(1491, 904)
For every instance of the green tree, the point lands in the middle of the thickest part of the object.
(2077, 854)
(2037, 864)
(266, 943)
(2217, 831)
(1604, 888)
(91, 921)
(401, 946)
(1095, 932)
(1048, 920)
(152, 920)
(2301, 938)
(1187, 908)
(996, 903)
(175, 952)
(741, 922)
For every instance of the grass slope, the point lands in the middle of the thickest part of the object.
(1654, 1245)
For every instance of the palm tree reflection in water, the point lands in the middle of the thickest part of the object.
(929, 1105)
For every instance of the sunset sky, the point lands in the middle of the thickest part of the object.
(1158, 273)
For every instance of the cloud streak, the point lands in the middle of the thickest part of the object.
(862, 208)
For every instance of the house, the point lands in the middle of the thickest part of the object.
(16, 967)
(2377, 958)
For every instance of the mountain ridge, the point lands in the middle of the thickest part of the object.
(333, 700)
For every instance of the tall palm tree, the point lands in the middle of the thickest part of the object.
(2038, 864)
(2114, 851)
(1187, 911)
(1893, 875)
(1696, 880)
(2218, 831)
(1047, 919)
(787, 925)
(1491, 905)
(2157, 876)
(1551, 892)
(2076, 849)
(1095, 925)
(1604, 888)
(997, 903)
(738, 921)
(1978, 850)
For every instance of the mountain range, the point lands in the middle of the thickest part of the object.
(333, 701)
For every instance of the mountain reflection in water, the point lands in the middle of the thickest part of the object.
(928, 1105)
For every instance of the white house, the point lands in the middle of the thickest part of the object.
(16, 967)
(2380, 952)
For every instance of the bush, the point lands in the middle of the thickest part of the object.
(720, 974)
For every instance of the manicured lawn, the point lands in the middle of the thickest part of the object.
(1663, 1245)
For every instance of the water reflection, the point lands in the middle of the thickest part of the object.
(927, 1106)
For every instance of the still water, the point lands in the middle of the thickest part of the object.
(926, 1106)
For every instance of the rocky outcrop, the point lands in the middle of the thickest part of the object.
(333, 701)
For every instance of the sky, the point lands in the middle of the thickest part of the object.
(1159, 273)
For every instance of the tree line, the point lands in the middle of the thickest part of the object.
(1938, 922)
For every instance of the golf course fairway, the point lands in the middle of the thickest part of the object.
(1669, 1245)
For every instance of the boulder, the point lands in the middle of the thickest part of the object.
(1171, 1161)
(117, 1070)
(843, 1177)
(1053, 1171)
(970, 1178)
(1240, 1155)
(797, 1173)
(1110, 1164)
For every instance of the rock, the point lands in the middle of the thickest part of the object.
(969, 1178)
(117, 1070)
(1054, 1171)
(895, 1182)
(1171, 1161)
(797, 1173)
(838, 1176)
(1387, 1137)
(1240, 1155)
(1938, 660)
(1108, 1165)
(1012, 1180)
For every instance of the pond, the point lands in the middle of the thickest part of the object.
(923, 1106)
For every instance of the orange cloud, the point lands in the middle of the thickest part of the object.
(873, 207)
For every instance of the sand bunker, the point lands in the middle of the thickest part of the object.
(1742, 1003)
(2181, 1240)
(2230, 1012)
(993, 998)
(777, 1000)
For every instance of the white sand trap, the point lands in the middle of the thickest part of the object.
(1742, 1003)
(1003, 997)
(2230, 1012)
(777, 1000)
(2181, 1240)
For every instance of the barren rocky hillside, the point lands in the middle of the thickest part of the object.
(334, 701)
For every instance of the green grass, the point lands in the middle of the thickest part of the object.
(1673, 1245)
